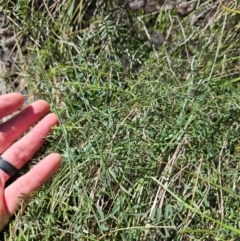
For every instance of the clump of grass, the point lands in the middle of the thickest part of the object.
(149, 136)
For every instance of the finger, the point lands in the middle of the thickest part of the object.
(14, 127)
(10, 103)
(21, 151)
(4, 216)
(31, 181)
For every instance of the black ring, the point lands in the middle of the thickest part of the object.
(7, 167)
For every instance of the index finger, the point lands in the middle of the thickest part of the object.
(11, 129)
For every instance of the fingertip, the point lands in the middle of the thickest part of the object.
(17, 96)
(57, 158)
(16, 99)
(42, 106)
(10, 103)
(54, 117)
(50, 120)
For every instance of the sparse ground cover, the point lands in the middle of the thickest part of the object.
(149, 131)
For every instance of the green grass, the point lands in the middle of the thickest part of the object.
(149, 136)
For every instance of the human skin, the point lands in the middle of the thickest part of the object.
(19, 152)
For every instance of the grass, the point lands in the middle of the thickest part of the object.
(149, 135)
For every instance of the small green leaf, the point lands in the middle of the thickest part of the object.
(104, 227)
(159, 214)
(100, 212)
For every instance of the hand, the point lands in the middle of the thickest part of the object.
(19, 152)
